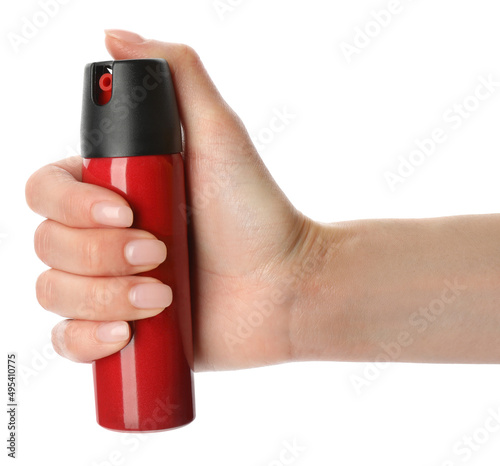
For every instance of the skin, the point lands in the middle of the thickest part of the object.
(269, 285)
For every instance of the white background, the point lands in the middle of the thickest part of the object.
(352, 123)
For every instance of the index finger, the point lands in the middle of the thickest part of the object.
(56, 191)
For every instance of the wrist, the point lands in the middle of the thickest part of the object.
(321, 322)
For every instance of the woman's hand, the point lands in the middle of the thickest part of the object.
(246, 239)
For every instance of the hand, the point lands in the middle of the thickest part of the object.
(246, 238)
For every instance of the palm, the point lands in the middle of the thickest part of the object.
(241, 227)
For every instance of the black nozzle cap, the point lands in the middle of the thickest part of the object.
(141, 116)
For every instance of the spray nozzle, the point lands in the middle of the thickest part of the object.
(105, 88)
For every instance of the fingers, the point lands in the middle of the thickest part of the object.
(86, 341)
(98, 251)
(56, 192)
(102, 298)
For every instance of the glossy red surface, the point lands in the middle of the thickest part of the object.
(148, 386)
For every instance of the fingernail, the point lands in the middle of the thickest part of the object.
(111, 214)
(145, 252)
(150, 296)
(111, 332)
(125, 36)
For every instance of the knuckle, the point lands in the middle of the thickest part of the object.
(72, 208)
(84, 311)
(42, 240)
(32, 188)
(29, 190)
(91, 253)
(58, 336)
(189, 54)
(97, 298)
(44, 290)
(73, 333)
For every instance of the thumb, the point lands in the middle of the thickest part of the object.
(216, 140)
(201, 107)
(226, 178)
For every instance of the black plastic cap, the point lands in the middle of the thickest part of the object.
(141, 116)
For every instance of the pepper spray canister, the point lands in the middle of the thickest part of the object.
(131, 143)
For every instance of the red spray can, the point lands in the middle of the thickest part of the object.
(131, 143)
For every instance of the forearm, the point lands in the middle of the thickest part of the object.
(421, 290)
